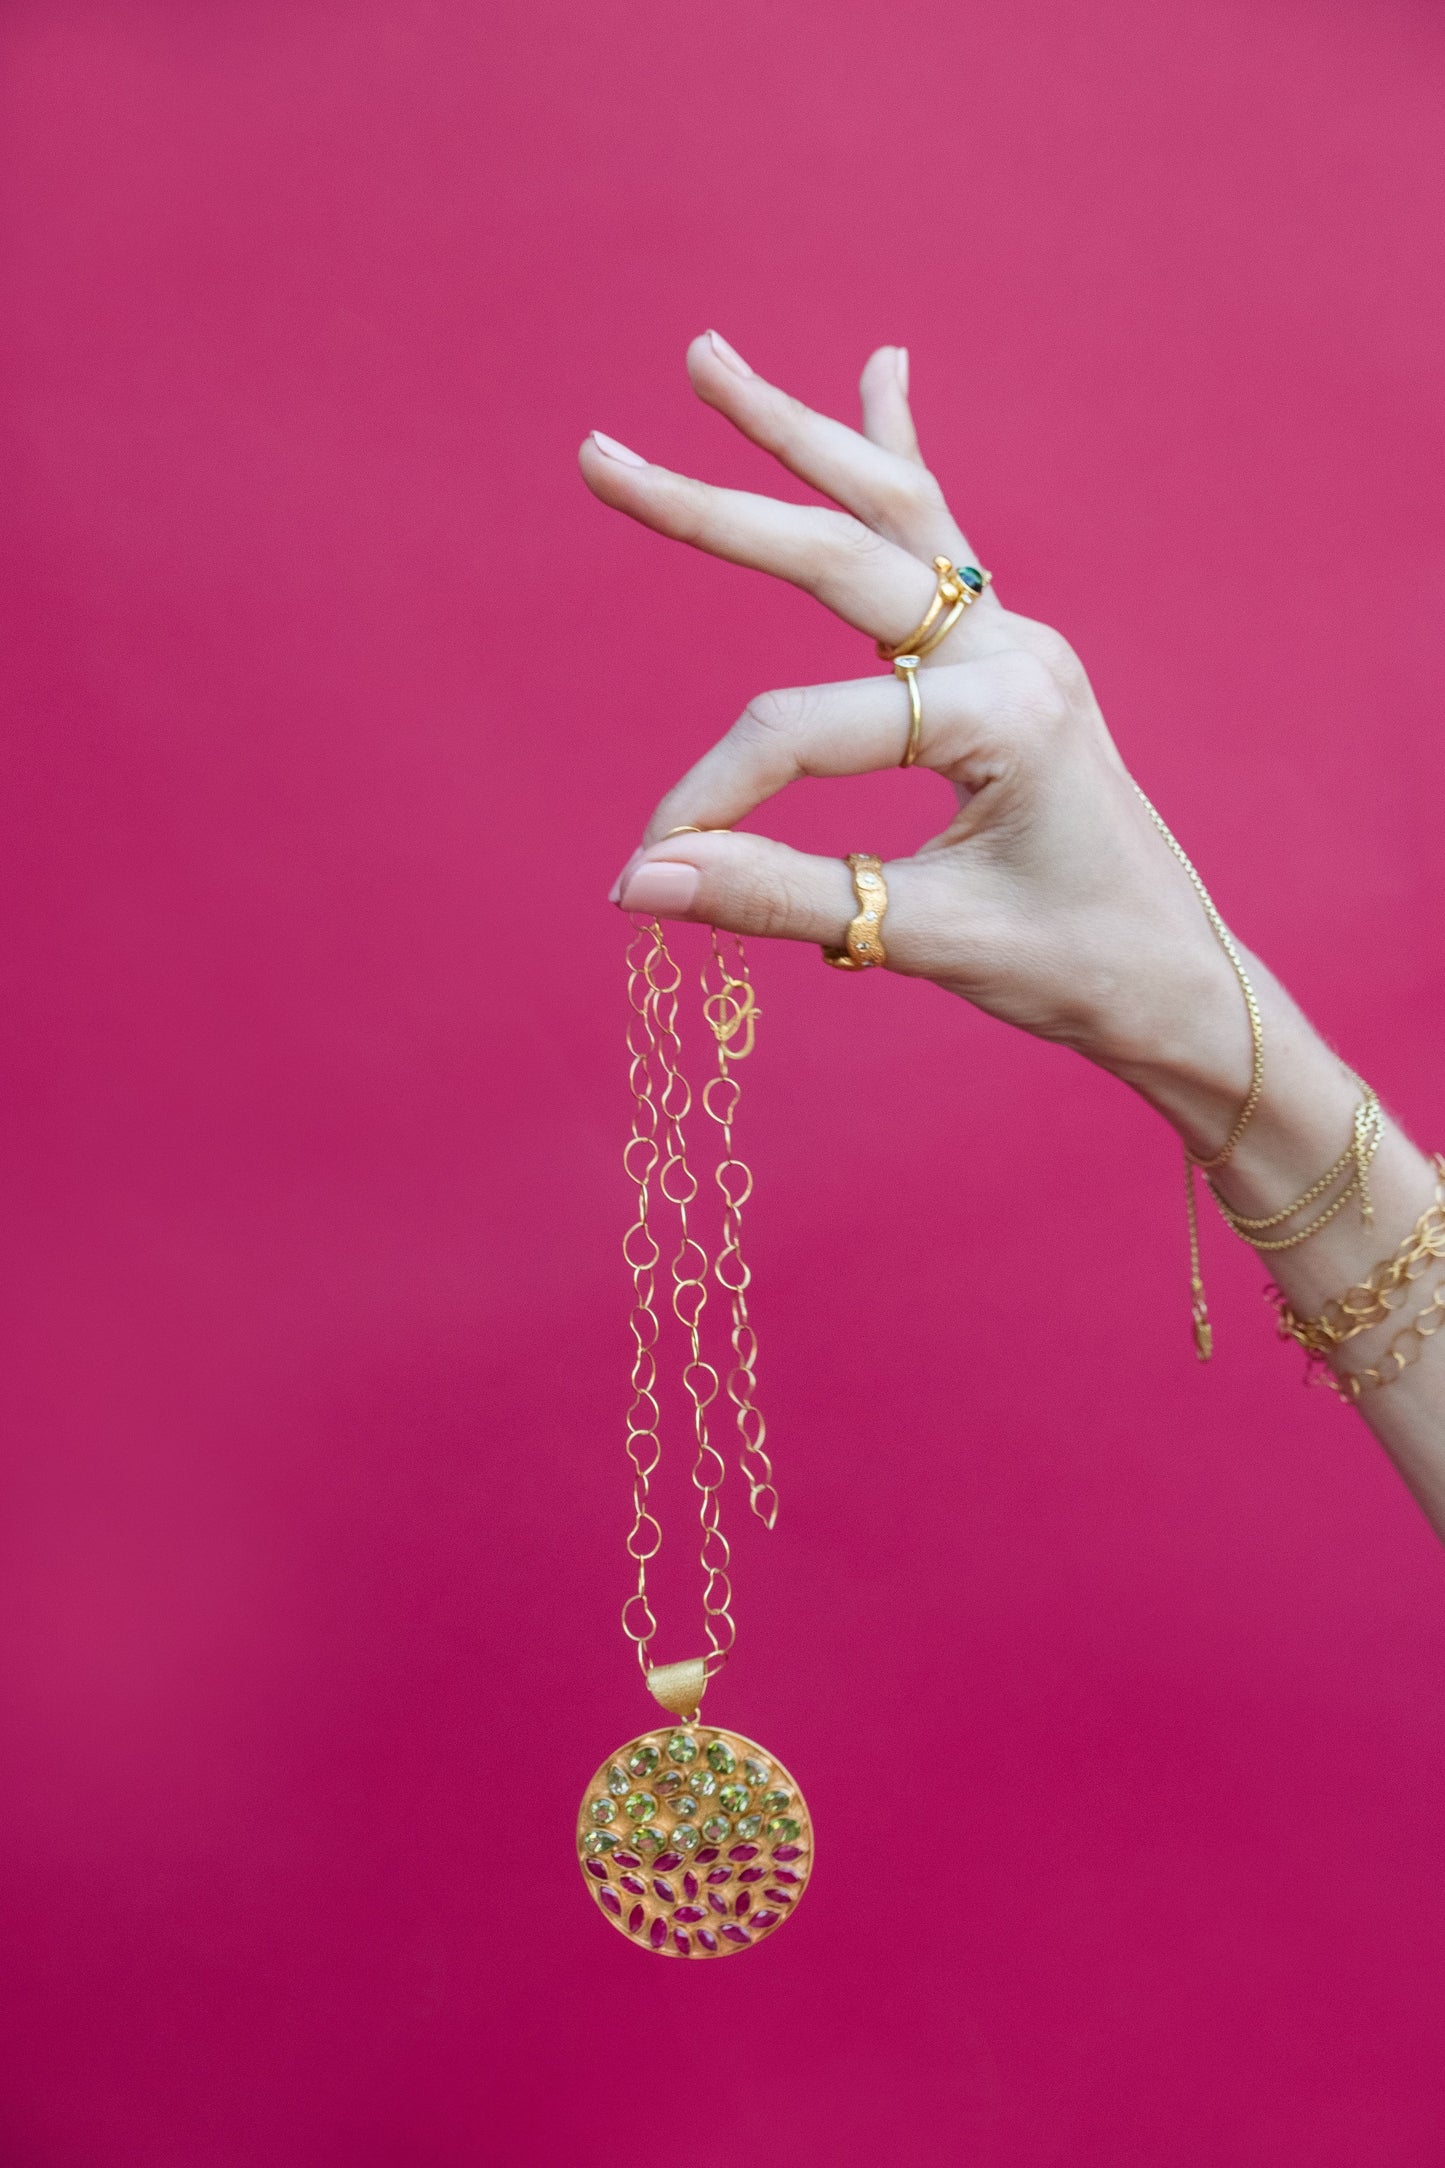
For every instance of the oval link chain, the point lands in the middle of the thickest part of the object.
(655, 1159)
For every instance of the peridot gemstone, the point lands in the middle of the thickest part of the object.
(735, 1798)
(672, 1780)
(775, 1802)
(638, 1805)
(599, 1840)
(784, 1830)
(643, 1760)
(722, 1758)
(648, 1840)
(685, 1807)
(602, 1810)
(704, 1783)
(717, 1828)
(684, 1837)
(750, 1825)
(617, 1780)
(756, 1772)
(682, 1747)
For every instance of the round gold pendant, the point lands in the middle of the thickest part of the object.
(694, 1842)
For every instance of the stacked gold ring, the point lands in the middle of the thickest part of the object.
(906, 668)
(864, 939)
(959, 588)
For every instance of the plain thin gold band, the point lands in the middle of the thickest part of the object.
(906, 668)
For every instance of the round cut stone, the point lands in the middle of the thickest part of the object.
(684, 1838)
(648, 1840)
(704, 1783)
(643, 1760)
(777, 1802)
(638, 1805)
(972, 578)
(682, 1748)
(733, 1798)
(722, 1758)
(750, 1825)
(685, 1807)
(602, 1810)
(717, 1828)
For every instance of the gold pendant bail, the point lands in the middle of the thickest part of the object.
(679, 1687)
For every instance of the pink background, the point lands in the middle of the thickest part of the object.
(334, 705)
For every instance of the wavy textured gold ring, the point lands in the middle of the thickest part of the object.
(864, 938)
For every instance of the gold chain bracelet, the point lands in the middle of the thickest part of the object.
(1379, 1295)
(1407, 1347)
(1367, 1130)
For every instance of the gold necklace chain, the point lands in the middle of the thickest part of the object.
(656, 1160)
(1203, 1330)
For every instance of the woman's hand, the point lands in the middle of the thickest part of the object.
(1050, 899)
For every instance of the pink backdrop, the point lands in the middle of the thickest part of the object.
(334, 705)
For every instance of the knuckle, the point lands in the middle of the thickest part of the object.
(1052, 650)
(912, 491)
(1035, 693)
(770, 715)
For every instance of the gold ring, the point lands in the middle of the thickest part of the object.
(864, 937)
(958, 590)
(687, 829)
(906, 667)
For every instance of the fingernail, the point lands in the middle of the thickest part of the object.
(617, 451)
(729, 354)
(661, 886)
(900, 355)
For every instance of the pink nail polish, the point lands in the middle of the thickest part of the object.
(729, 354)
(901, 354)
(661, 886)
(617, 451)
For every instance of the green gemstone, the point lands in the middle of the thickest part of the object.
(599, 1840)
(750, 1825)
(717, 1828)
(971, 578)
(686, 1807)
(672, 1781)
(703, 1782)
(734, 1797)
(643, 1760)
(722, 1758)
(617, 1780)
(682, 1747)
(784, 1830)
(756, 1772)
(774, 1802)
(638, 1805)
(602, 1810)
(648, 1840)
(684, 1837)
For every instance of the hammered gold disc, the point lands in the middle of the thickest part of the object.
(694, 1842)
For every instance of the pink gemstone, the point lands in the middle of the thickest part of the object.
(766, 1919)
(709, 1851)
(737, 1934)
(596, 1869)
(782, 1874)
(613, 1902)
(681, 1940)
(721, 1874)
(777, 1896)
(689, 1884)
(743, 1851)
(743, 1903)
(635, 1919)
(719, 1904)
(787, 1851)
(668, 1861)
(657, 1932)
(707, 1939)
(627, 1859)
(666, 1892)
(635, 1888)
(753, 1874)
(689, 1913)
